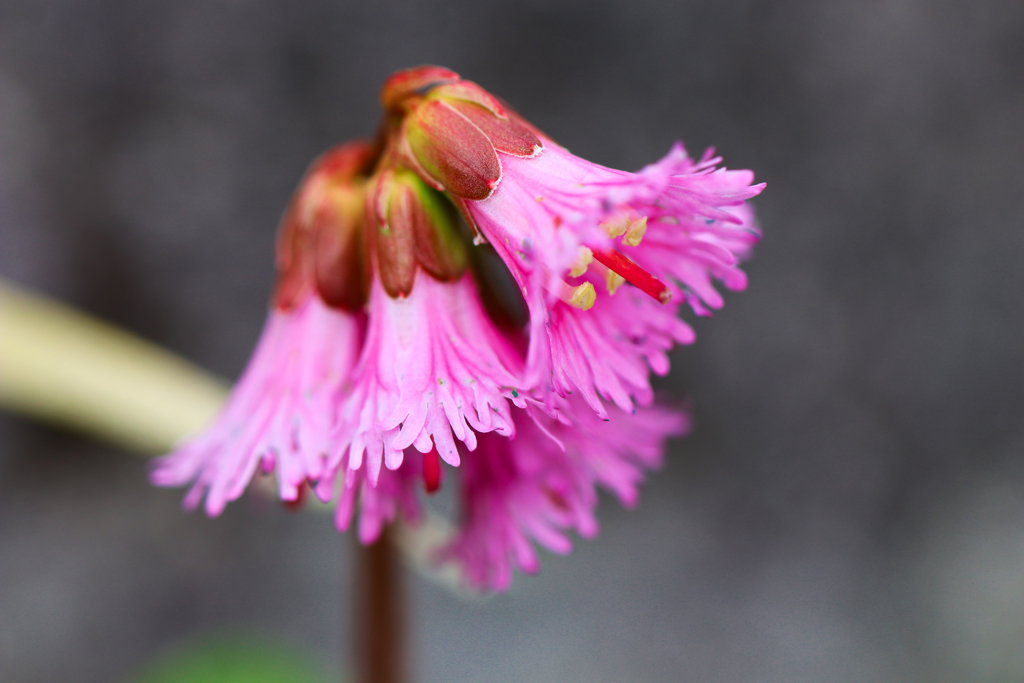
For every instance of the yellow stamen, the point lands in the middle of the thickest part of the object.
(616, 226)
(583, 297)
(613, 280)
(582, 261)
(635, 232)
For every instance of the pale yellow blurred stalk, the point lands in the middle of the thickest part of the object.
(67, 368)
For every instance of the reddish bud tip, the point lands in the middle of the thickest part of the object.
(505, 135)
(318, 244)
(468, 91)
(407, 82)
(347, 161)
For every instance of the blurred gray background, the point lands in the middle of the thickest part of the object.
(850, 506)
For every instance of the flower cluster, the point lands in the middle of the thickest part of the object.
(392, 345)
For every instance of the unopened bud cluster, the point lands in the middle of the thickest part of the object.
(395, 205)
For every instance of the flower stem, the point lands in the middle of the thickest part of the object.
(379, 621)
(63, 366)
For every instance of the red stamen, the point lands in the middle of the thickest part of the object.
(633, 274)
(431, 471)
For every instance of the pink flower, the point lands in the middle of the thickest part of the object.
(381, 366)
(542, 483)
(433, 364)
(393, 496)
(278, 415)
(572, 232)
(662, 230)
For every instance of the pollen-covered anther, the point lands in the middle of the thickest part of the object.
(635, 232)
(613, 281)
(581, 297)
(616, 226)
(584, 259)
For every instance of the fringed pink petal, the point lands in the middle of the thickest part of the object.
(278, 416)
(538, 486)
(434, 369)
(690, 225)
(393, 497)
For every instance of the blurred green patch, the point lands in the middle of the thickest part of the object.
(233, 660)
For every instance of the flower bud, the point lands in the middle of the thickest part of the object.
(406, 83)
(339, 252)
(454, 134)
(416, 226)
(504, 131)
(453, 152)
(320, 245)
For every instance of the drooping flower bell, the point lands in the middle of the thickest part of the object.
(279, 415)
(572, 232)
(381, 364)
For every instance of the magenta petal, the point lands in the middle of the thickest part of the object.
(279, 412)
(696, 227)
(531, 489)
(433, 365)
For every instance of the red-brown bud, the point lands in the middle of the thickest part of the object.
(452, 133)
(452, 150)
(396, 265)
(339, 252)
(319, 245)
(408, 82)
(415, 226)
(506, 135)
(468, 91)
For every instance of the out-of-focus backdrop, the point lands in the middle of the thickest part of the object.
(850, 506)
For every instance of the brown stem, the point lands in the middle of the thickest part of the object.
(379, 619)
